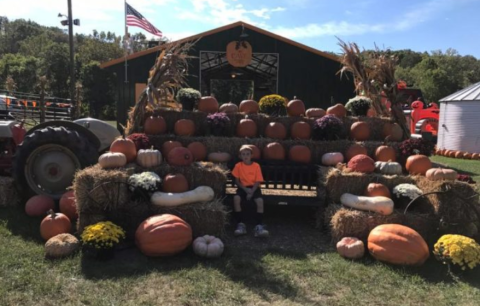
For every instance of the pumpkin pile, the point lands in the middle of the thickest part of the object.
(457, 154)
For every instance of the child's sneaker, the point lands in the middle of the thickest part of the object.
(241, 229)
(260, 231)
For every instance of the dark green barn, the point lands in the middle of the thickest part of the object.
(278, 65)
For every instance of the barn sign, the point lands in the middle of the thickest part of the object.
(239, 53)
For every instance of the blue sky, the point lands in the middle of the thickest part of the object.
(408, 24)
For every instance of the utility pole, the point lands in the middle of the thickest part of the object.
(72, 58)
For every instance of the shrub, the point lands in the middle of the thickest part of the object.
(328, 127)
(413, 146)
(273, 105)
(188, 97)
(359, 105)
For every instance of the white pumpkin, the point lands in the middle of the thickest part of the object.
(381, 205)
(149, 158)
(199, 194)
(208, 246)
(112, 160)
(332, 159)
(389, 168)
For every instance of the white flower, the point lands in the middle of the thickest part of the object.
(145, 180)
(407, 190)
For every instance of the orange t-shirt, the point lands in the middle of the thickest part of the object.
(248, 174)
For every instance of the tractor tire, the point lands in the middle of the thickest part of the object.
(47, 159)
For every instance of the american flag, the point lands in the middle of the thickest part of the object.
(135, 19)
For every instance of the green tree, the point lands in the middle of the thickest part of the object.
(23, 69)
(56, 66)
(98, 90)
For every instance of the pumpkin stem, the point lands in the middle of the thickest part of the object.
(123, 130)
(51, 213)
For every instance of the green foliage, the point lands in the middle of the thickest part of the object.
(358, 105)
(98, 91)
(188, 97)
(234, 91)
(273, 105)
(22, 69)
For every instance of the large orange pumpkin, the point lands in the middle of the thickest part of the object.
(315, 113)
(37, 206)
(300, 154)
(198, 149)
(248, 107)
(247, 128)
(360, 131)
(228, 108)
(296, 107)
(274, 151)
(300, 130)
(168, 146)
(125, 146)
(377, 190)
(338, 110)
(163, 235)
(355, 150)
(276, 130)
(397, 244)
(418, 164)
(155, 125)
(175, 183)
(385, 153)
(256, 153)
(184, 127)
(208, 104)
(68, 205)
(54, 224)
(180, 156)
(362, 163)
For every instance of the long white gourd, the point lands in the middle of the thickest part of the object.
(381, 205)
(199, 194)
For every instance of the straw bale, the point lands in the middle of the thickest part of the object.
(8, 192)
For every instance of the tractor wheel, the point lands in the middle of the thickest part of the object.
(46, 161)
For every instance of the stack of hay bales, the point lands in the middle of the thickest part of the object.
(104, 195)
(8, 192)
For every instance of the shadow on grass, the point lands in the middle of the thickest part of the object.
(20, 224)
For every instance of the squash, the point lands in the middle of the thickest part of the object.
(198, 149)
(54, 224)
(180, 156)
(377, 190)
(332, 159)
(385, 153)
(184, 127)
(125, 146)
(219, 157)
(338, 110)
(247, 128)
(163, 235)
(300, 154)
(276, 130)
(440, 174)
(199, 194)
(175, 183)
(274, 151)
(249, 107)
(295, 107)
(360, 131)
(362, 163)
(228, 108)
(351, 248)
(300, 130)
(315, 113)
(61, 245)
(355, 150)
(397, 244)
(155, 125)
(418, 164)
(208, 104)
(112, 160)
(169, 145)
(68, 205)
(149, 158)
(39, 205)
(389, 168)
(379, 204)
(208, 246)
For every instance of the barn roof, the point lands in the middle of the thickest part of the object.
(471, 93)
(217, 30)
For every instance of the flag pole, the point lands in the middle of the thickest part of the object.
(125, 39)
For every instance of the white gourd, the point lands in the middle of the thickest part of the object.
(112, 160)
(381, 205)
(199, 194)
(149, 158)
(332, 159)
(389, 168)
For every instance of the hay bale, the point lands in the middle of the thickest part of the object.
(10, 196)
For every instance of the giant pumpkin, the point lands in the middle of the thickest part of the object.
(125, 146)
(155, 125)
(397, 244)
(300, 130)
(274, 151)
(296, 107)
(276, 130)
(418, 164)
(180, 156)
(248, 107)
(360, 131)
(247, 128)
(184, 127)
(163, 235)
(175, 183)
(300, 154)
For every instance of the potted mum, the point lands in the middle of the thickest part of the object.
(100, 239)
(217, 124)
(457, 251)
(144, 183)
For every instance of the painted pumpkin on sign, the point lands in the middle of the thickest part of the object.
(239, 53)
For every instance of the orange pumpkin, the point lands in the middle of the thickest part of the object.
(198, 149)
(219, 157)
(418, 164)
(315, 113)
(37, 206)
(168, 146)
(459, 154)
(208, 104)
(362, 163)
(163, 235)
(475, 156)
(274, 151)
(184, 127)
(295, 107)
(256, 153)
(249, 107)
(125, 146)
(355, 150)
(229, 108)
(387, 129)
(54, 224)
(247, 128)
(396, 133)
(175, 183)
(338, 110)
(377, 190)
(360, 131)
(68, 205)
(467, 155)
(397, 244)
(155, 125)
(385, 153)
(452, 153)
(300, 130)
(180, 156)
(300, 154)
(276, 130)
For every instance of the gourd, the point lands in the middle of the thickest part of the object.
(332, 159)
(247, 128)
(219, 157)
(155, 125)
(381, 205)
(184, 127)
(276, 130)
(338, 110)
(198, 149)
(300, 154)
(229, 108)
(360, 131)
(125, 146)
(274, 151)
(199, 194)
(112, 160)
(315, 113)
(376, 190)
(362, 163)
(68, 205)
(149, 158)
(175, 183)
(249, 107)
(180, 156)
(397, 244)
(389, 168)
(439, 174)
(418, 164)
(169, 145)
(208, 104)
(295, 107)
(61, 245)
(208, 246)
(300, 130)
(163, 235)
(351, 248)
(385, 153)
(54, 224)
(38, 205)
(355, 150)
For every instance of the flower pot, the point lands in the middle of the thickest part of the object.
(216, 131)
(188, 105)
(99, 254)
